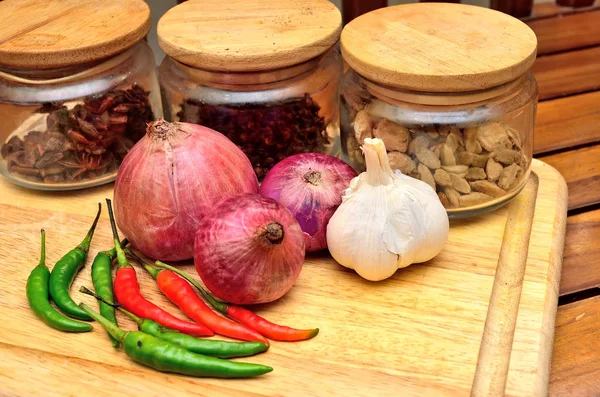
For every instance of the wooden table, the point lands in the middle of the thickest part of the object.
(567, 136)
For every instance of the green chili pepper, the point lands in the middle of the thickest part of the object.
(166, 357)
(39, 301)
(213, 348)
(103, 284)
(64, 273)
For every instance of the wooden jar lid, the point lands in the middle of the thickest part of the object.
(438, 47)
(242, 35)
(41, 34)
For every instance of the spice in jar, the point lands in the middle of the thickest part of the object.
(266, 133)
(467, 166)
(82, 142)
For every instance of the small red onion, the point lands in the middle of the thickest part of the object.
(249, 249)
(170, 179)
(311, 186)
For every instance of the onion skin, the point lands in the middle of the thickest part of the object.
(170, 179)
(310, 185)
(241, 254)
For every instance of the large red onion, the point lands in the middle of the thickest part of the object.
(170, 179)
(311, 186)
(249, 249)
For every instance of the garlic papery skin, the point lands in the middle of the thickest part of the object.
(387, 220)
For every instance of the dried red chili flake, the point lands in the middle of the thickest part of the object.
(85, 142)
(266, 133)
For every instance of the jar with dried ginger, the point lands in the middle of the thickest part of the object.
(448, 89)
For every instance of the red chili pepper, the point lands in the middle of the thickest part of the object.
(267, 328)
(181, 293)
(246, 317)
(127, 292)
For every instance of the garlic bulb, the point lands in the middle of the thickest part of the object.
(387, 220)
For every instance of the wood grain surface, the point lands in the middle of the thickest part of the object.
(438, 47)
(580, 170)
(581, 262)
(566, 122)
(238, 35)
(44, 34)
(568, 73)
(418, 332)
(497, 340)
(567, 33)
(576, 362)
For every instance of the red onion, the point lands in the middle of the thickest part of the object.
(249, 249)
(311, 186)
(170, 179)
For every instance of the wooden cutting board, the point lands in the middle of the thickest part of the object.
(418, 333)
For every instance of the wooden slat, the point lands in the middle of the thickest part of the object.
(566, 122)
(576, 361)
(550, 9)
(567, 32)
(516, 8)
(581, 170)
(568, 73)
(581, 260)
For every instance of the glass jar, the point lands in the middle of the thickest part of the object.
(270, 115)
(68, 123)
(471, 142)
(476, 155)
(271, 110)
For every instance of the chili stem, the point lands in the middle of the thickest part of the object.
(153, 271)
(121, 258)
(85, 244)
(134, 255)
(112, 329)
(43, 250)
(113, 251)
(219, 306)
(115, 305)
(87, 291)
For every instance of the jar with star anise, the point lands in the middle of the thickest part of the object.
(78, 84)
(265, 74)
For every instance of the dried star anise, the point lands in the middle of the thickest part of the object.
(266, 133)
(85, 142)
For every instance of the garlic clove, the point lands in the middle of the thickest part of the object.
(361, 248)
(433, 217)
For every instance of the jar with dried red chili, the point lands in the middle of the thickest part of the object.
(265, 74)
(77, 86)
